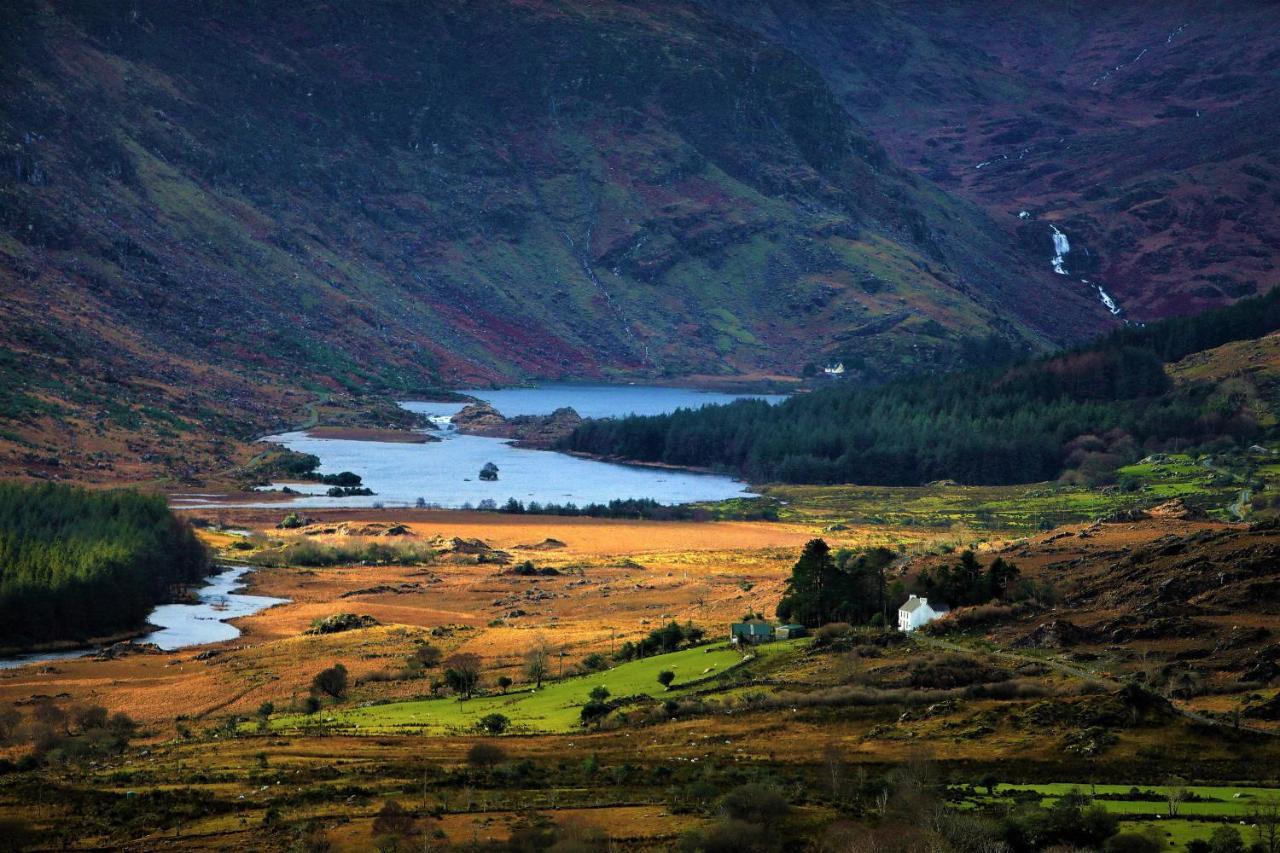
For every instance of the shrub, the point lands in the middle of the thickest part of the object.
(331, 681)
(595, 662)
(593, 712)
(486, 756)
(829, 633)
(755, 803)
(1133, 842)
(494, 724)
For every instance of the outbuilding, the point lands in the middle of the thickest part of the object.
(752, 631)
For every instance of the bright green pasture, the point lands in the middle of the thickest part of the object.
(554, 708)
(1179, 832)
(1221, 800)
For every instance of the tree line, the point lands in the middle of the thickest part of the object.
(76, 563)
(855, 587)
(986, 426)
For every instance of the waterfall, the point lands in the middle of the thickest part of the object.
(1061, 246)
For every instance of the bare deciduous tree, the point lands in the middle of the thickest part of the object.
(1265, 817)
(1175, 793)
(537, 661)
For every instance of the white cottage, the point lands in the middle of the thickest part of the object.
(916, 611)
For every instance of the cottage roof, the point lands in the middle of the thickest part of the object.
(912, 604)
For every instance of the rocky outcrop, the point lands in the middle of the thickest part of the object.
(1176, 509)
(526, 430)
(544, 430)
(458, 547)
(1054, 634)
(343, 528)
(478, 419)
(547, 544)
(126, 648)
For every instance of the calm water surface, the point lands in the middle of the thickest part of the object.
(445, 473)
(182, 625)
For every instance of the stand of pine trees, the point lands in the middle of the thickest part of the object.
(984, 426)
(76, 563)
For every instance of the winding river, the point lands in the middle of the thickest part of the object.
(179, 626)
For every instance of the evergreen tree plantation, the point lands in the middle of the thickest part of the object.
(76, 563)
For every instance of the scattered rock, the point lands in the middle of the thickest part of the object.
(1054, 634)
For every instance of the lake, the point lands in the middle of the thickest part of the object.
(181, 625)
(445, 473)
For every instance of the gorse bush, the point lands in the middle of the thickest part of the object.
(76, 563)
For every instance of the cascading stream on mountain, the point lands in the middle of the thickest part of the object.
(1061, 248)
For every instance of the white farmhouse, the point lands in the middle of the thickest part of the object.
(916, 611)
(834, 370)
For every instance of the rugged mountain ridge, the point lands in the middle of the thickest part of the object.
(200, 202)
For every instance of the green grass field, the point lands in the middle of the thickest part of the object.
(554, 708)
(1177, 833)
(1196, 819)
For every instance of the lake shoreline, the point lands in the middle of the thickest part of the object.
(92, 644)
(503, 429)
(208, 595)
(124, 635)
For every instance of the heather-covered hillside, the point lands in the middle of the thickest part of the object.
(1144, 131)
(202, 201)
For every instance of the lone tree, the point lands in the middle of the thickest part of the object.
(393, 820)
(331, 681)
(485, 756)
(427, 656)
(1175, 793)
(1265, 817)
(504, 682)
(489, 471)
(494, 724)
(537, 662)
(665, 678)
(462, 673)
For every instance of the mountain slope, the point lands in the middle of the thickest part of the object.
(393, 196)
(1145, 132)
